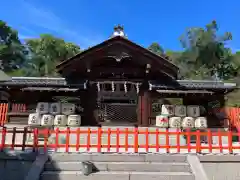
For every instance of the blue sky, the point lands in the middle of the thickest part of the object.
(88, 22)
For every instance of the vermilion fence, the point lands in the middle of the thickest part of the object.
(120, 140)
(3, 113)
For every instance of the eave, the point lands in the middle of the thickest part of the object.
(41, 82)
(194, 85)
(60, 84)
(121, 40)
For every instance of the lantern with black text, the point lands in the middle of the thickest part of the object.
(47, 120)
(175, 122)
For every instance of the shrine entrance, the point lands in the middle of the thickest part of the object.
(117, 103)
(117, 113)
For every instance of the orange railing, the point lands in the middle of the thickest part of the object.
(3, 113)
(4, 110)
(120, 140)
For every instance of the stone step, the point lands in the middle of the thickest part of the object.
(120, 166)
(106, 175)
(68, 157)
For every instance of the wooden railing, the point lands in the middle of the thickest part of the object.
(120, 140)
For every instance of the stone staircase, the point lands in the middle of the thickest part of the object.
(118, 167)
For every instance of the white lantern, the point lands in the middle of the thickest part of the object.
(201, 123)
(188, 122)
(162, 121)
(175, 122)
(167, 110)
(180, 110)
(193, 111)
(34, 119)
(60, 120)
(55, 108)
(74, 120)
(68, 108)
(47, 120)
(42, 108)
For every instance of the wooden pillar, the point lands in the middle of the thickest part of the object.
(89, 101)
(139, 109)
(144, 102)
(145, 110)
(222, 101)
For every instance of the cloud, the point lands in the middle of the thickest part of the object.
(44, 18)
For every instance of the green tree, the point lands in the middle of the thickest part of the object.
(236, 64)
(46, 52)
(205, 53)
(12, 51)
(156, 48)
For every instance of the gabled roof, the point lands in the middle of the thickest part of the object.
(121, 40)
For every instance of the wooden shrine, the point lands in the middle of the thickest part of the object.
(116, 81)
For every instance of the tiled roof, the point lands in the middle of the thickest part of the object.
(51, 84)
(49, 89)
(193, 84)
(37, 81)
(179, 84)
(206, 84)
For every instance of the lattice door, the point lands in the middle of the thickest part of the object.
(118, 112)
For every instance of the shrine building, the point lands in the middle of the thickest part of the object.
(116, 82)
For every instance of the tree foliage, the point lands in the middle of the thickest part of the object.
(46, 52)
(204, 55)
(156, 48)
(12, 51)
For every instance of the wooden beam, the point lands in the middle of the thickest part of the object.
(185, 92)
(117, 70)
